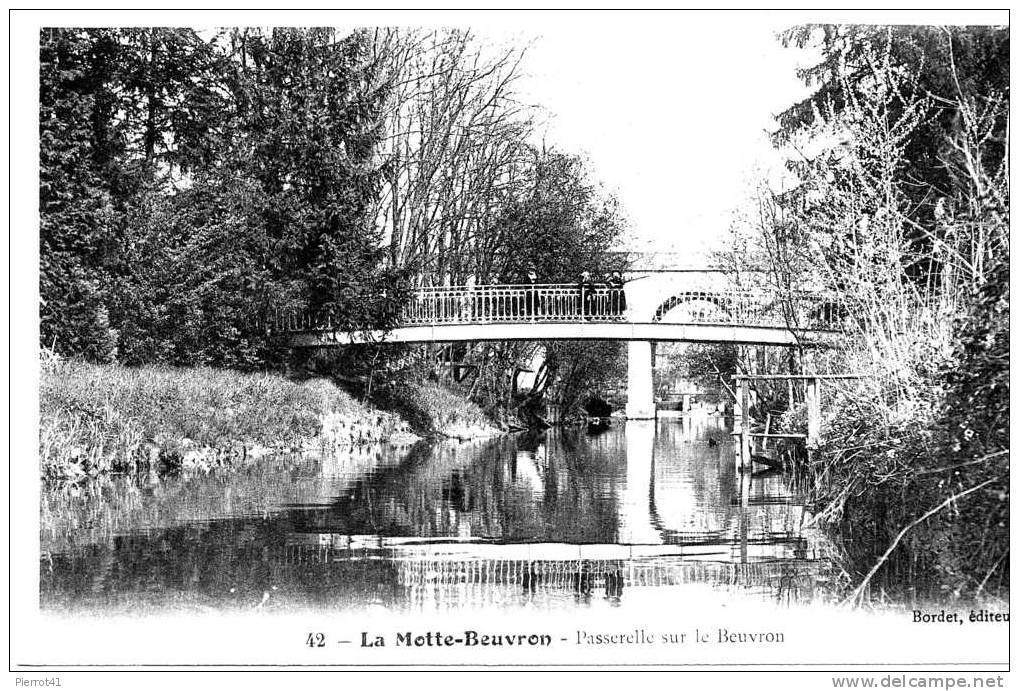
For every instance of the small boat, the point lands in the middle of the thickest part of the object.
(768, 461)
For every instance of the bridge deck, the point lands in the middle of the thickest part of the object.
(566, 331)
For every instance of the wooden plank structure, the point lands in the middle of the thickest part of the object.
(813, 401)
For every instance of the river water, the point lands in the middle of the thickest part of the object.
(562, 519)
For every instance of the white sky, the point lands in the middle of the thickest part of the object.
(672, 114)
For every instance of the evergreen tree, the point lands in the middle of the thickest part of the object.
(191, 185)
(78, 220)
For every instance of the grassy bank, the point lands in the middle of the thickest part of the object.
(101, 418)
(434, 410)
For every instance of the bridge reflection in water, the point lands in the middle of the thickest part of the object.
(675, 523)
(539, 520)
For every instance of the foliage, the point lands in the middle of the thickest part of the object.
(901, 211)
(78, 222)
(193, 184)
(957, 76)
(709, 365)
(974, 439)
(560, 225)
(977, 383)
(575, 371)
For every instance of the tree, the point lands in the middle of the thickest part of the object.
(457, 141)
(78, 224)
(190, 185)
(954, 156)
(900, 211)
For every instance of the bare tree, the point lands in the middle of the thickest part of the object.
(457, 141)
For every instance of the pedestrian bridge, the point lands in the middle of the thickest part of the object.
(698, 306)
(629, 312)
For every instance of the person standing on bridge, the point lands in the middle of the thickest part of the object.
(584, 291)
(617, 297)
(531, 304)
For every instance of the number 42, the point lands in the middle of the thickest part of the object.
(316, 640)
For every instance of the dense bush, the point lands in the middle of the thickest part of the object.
(974, 442)
(901, 210)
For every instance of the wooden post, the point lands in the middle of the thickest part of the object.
(686, 403)
(744, 446)
(744, 516)
(813, 414)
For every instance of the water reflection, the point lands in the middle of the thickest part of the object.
(549, 520)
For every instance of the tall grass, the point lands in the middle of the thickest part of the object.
(437, 410)
(100, 418)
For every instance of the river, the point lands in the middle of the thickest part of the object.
(561, 519)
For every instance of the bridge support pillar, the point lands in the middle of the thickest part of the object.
(640, 394)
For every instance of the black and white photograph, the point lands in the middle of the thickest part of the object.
(574, 340)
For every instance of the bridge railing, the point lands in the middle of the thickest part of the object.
(575, 303)
(483, 304)
(800, 310)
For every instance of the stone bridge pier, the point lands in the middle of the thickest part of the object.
(640, 390)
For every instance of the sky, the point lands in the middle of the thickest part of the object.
(673, 114)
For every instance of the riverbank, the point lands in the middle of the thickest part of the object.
(913, 471)
(433, 410)
(97, 419)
